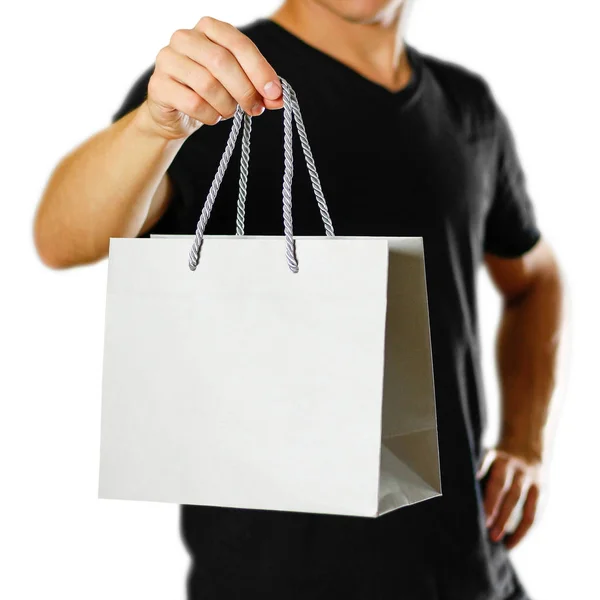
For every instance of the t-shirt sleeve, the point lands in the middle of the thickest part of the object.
(136, 95)
(511, 228)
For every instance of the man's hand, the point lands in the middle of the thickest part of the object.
(203, 74)
(512, 488)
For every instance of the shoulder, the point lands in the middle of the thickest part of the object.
(467, 93)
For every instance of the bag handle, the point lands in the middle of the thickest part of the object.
(291, 112)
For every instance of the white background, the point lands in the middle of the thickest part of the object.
(66, 67)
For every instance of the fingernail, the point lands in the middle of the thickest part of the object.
(496, 534)
(273, 89)
(257, 109)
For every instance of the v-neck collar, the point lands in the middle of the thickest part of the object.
(399, 96)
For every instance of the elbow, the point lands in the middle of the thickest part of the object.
(47, 244)
(59, 239)
(58, 248)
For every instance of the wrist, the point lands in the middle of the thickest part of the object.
(527, 447)
(144, 123)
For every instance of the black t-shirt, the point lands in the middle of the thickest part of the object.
(437, 160)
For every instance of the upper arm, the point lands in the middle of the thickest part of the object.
(514, 277)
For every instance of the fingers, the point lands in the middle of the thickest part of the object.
(170, 96)
(512, 483)
(529, 511)
(509, 503)
(260, 73)
(496, 488)
(202, 76)
(198, 78)
(221, 64)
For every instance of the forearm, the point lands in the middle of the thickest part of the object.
(527, 348)
(102, 189)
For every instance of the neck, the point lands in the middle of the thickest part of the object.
(375, 49)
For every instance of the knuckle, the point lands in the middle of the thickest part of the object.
(204, 22)
(162, 57)
(193, 105)
(218, 58)
(179, 36)
(208, 85)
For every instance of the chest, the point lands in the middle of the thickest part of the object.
(403, 177)
(396, 175)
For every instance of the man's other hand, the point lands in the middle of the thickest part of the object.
(511, 493)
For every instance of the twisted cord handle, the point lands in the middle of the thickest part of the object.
(288, 173)
(245, 159)
(310, 163)
(194, 255)
(291, 112)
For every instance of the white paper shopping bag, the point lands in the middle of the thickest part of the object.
(244, 376)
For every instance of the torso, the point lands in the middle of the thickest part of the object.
(418, 162)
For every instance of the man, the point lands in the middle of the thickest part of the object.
(406, 145)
